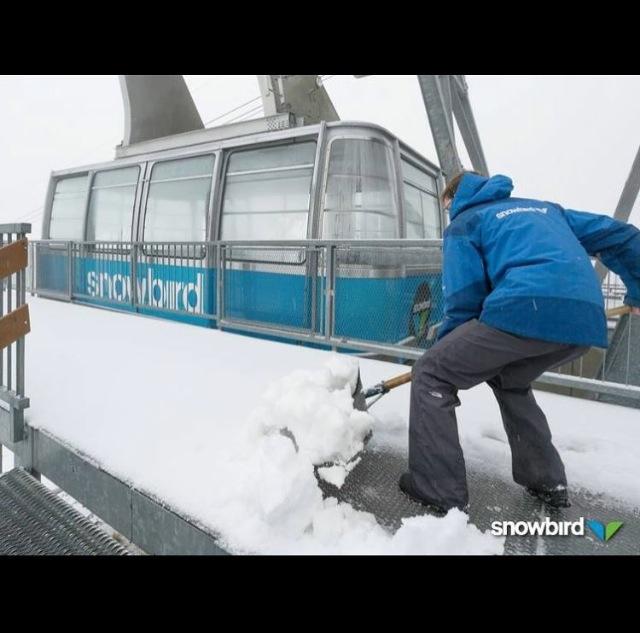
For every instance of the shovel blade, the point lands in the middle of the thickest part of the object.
(359, 401)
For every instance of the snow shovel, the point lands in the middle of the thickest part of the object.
(361, 395)
(360, 398)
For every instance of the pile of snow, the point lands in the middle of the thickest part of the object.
(274, 503)
(315, 410)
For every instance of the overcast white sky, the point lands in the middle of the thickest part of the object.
(568, 138)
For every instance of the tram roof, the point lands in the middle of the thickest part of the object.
(231, 136)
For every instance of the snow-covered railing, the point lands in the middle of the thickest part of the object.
(380, 297)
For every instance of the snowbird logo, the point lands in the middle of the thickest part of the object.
(604, 531)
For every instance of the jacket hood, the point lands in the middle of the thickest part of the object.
(474, 190)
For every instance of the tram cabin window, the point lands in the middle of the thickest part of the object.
(113, 195)
(67, 211)
(421, 208)
(178, 200)
(359, 201)
(267, 193)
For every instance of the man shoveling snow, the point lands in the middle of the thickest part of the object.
(521, 297)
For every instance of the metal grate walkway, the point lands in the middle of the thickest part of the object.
(373, 487)
(35, 521)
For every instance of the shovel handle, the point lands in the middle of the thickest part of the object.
(403, 379)
(614, 312)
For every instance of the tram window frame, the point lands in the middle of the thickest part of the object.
(406, 180)
(82, 218)
(393, 188)
(244, 256)
(156, 249)
(108, 246)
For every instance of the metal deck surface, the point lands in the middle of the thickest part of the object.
(33, 520)
(373, 487)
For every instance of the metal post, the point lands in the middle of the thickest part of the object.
(313, 274)
(220, 263)
(32, 268)
(133, 272)
(69, 271)
(20, 301)
(24, 454)
(1, 315)
(628, 367)
(330, 253)
(9, 309)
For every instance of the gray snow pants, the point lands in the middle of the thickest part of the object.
(471, 354)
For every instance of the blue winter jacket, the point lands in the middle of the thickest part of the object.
(523, 266)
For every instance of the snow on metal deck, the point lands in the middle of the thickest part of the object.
(155, 403)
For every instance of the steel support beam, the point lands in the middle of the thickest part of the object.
(156, 106)
(625, 203)
(467, 124)
(435, 101)
(446, 96)
(304, 96)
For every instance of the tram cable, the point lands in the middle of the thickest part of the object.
(242, 105)
(323, 79)
(244, 115)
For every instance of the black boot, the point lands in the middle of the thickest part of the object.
(406, 485)
(556, 498)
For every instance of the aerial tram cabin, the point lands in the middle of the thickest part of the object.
(146, 231)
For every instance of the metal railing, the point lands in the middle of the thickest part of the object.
(14, 315)
(378, 297)
(612, 374)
